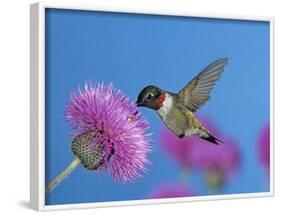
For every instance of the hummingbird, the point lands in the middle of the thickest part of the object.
(177, 110)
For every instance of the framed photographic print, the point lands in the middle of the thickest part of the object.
(140, 106)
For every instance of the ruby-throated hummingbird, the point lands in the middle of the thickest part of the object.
(176, 109)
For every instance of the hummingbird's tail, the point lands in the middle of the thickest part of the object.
(206, 135)
(210, 138)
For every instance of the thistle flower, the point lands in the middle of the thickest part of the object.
(264, 147)
(171, 190)
(108, 133)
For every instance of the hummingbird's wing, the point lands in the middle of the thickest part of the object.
(197, 91)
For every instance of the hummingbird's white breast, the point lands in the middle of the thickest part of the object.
(166, 107)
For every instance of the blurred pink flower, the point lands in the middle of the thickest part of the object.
(219, 162)
(224, 159)
(264, 146)
(180, 150)
(171, 190)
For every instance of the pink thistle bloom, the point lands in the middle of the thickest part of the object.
(264, 146)
(111, 122)
(170, 190)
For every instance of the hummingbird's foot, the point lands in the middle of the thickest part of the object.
(181, 136)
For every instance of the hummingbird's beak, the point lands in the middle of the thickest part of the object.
(139, 103)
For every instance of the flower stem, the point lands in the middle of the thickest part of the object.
(184, 176)
(63, 174)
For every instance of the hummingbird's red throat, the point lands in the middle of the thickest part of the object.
(159, 102)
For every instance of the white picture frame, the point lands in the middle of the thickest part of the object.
(37, 65)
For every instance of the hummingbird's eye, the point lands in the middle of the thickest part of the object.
(149, 96)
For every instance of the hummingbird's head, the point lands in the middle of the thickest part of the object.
(151, 97)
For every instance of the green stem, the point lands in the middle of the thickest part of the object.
(63, 174)
(184, 175)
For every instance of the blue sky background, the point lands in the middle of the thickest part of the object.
(133, 51)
